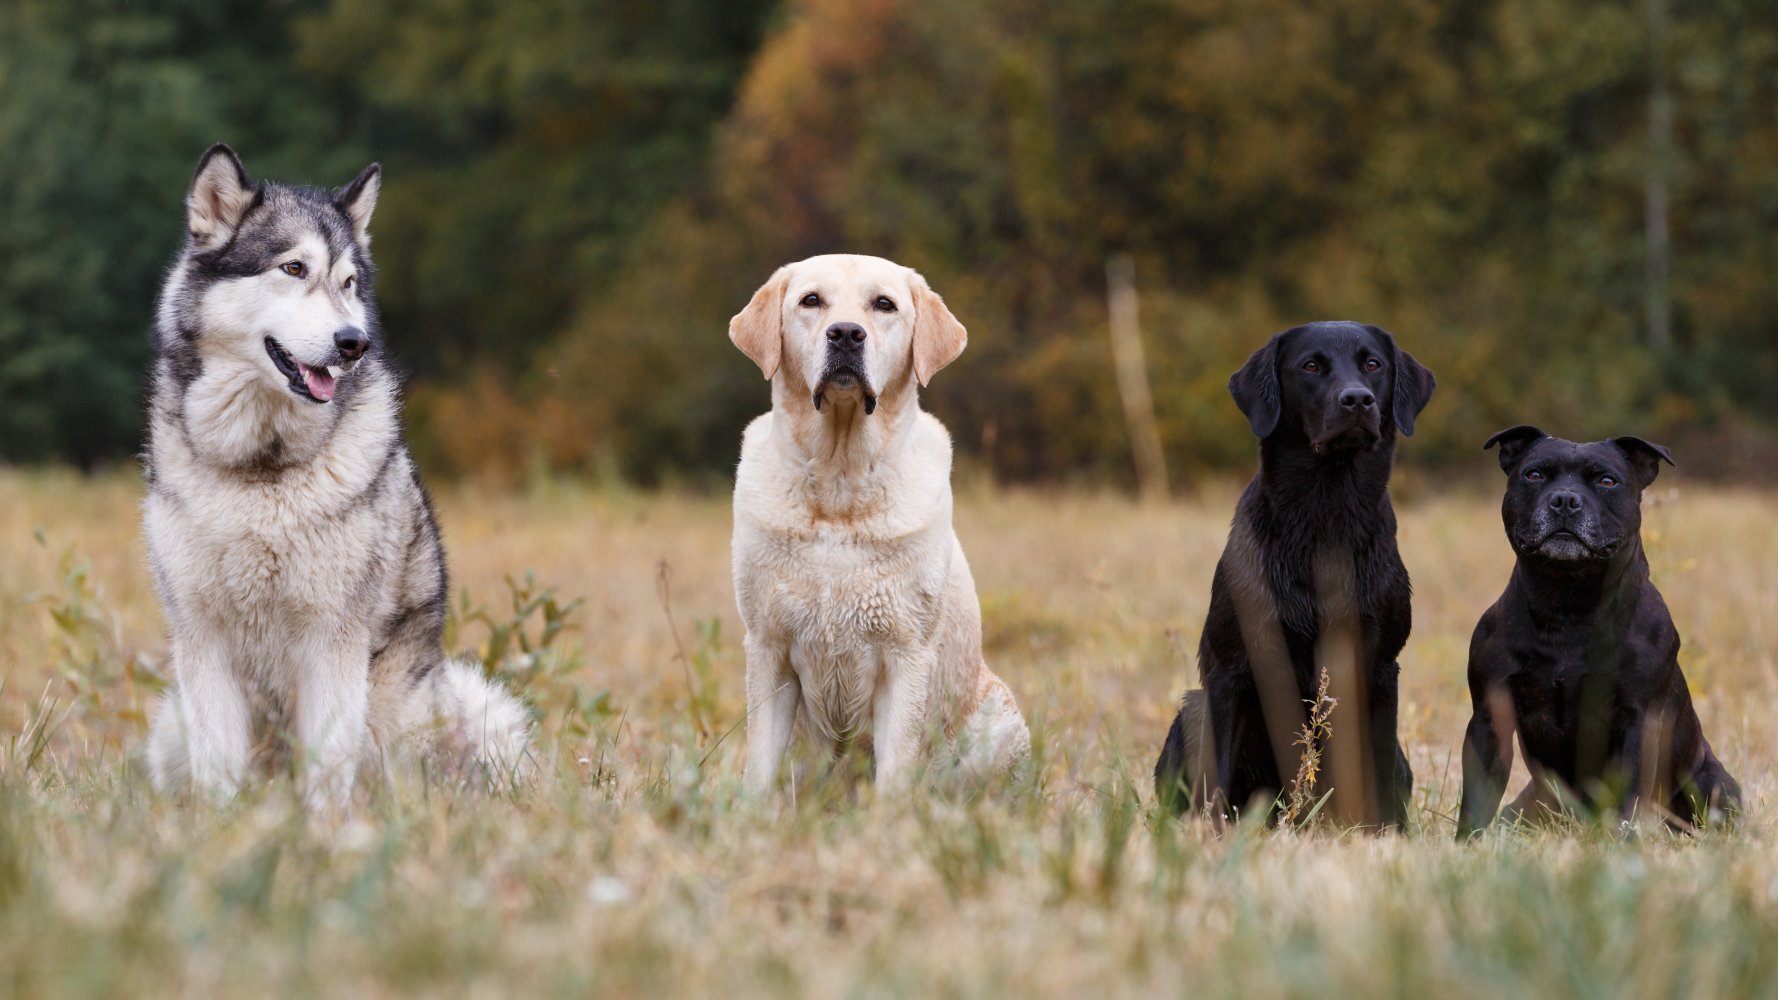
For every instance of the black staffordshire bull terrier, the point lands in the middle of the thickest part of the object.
(1310, 576)
(1579, 658)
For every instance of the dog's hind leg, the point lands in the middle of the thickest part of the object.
(994, 739)
(1712, 797)
(1183, 773)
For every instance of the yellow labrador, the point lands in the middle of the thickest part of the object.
(862, 622)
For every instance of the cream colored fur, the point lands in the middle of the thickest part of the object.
(863, 625)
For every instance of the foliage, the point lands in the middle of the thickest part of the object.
(523, 652)
(109, 684)
(579, 194)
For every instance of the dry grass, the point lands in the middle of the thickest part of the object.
(630, 869)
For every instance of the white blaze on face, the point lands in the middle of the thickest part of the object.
(302, 313)
(874, 293)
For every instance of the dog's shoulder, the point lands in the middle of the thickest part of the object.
(929, 446)
(1486, 659)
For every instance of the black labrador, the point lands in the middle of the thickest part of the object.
(1310, 576)
(1579, 658)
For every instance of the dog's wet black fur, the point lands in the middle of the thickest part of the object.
(1326, 401)
(1579, 657)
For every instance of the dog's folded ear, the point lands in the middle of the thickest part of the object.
(359, 199)
(1645, 458)
(1256, 391)
(758, 330)
(938, 336)
(1414, 384)
(221, 194)
(1513, 441)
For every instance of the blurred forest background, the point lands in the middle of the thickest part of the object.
(1568, 209)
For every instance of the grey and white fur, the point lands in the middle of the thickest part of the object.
(293, 546)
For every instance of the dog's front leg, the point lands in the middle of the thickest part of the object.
(1487, 761)
(898, 715)
(1647, 767)
(1393, 776)
(213, 711)
(772, 696)
(333, 698)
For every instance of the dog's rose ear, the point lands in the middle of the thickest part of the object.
(1513, 441)
(220, 195)
(359, 199)
(938, 336)
(758, 330)
(1256, 391)
(1645, 458)
(1414, 384)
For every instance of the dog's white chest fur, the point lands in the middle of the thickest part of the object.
(274, 556)
(842, 602)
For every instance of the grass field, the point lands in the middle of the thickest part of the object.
(632, 867)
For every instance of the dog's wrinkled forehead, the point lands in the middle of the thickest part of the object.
(1557, 457)
(286, 217)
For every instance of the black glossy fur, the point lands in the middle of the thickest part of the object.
(1579, 657)
(1326, 401)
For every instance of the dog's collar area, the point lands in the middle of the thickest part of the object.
(315, 384)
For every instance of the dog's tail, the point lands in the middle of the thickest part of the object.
(464, 725)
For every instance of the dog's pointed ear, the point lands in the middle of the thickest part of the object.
(1256, 391)
(359, 199)
(1645, 458)
(938, 335)
(221, 193)
(1414, 384)
(1513, 441)
(758, 330)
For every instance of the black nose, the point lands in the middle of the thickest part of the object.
(352, 342)
(842, 333)
(1564, 501)
(1357, 399)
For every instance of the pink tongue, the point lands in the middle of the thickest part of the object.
(319, 382)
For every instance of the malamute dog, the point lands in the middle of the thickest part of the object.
(293, 546)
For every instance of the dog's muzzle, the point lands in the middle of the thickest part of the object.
(1561, 530)
(844, 369)
(315, 383)
(1352, 421)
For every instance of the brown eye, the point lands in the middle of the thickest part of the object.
(811, 300)
(1311, 366)
(351, 282)
(1608, 481)
(1534, 476)
(293, 268)
(1372, 365)
(883, 304)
